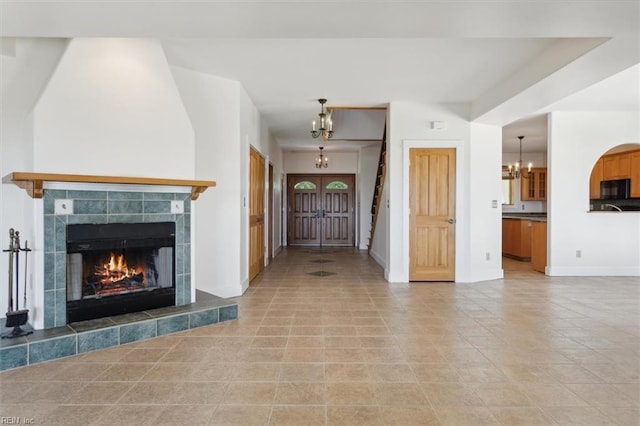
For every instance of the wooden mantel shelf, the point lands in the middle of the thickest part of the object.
(33, 182)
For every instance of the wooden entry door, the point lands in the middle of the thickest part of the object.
(256, 213)
(321, 210)
(432, 214)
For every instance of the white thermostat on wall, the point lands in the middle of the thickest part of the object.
(438, 125)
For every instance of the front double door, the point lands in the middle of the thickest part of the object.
(321, 210)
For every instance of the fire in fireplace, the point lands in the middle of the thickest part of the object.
(119, 268)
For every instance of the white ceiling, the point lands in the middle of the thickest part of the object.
(495, 56)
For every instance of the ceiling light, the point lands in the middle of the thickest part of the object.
(326, 133)
(515, 172)
(322, 160)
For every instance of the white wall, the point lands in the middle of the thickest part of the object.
(609, 242)
(409, 126)
(485, 195)
(25, 68)
(213, 105)
(304, 162)
(114, 105)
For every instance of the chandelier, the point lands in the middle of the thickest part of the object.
(326, 133)
(322, 160)
(515, 172)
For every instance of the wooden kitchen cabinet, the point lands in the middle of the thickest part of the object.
(516, 239)
(634, 160)
(616, 166)
(539, 246)
(534, 188)
(596, 178)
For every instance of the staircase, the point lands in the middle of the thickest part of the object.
(377, 191)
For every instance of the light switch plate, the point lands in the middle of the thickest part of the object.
(61, 207)
(177, 206)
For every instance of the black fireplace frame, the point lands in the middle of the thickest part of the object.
(91, 237)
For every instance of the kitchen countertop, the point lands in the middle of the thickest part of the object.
(533, 217)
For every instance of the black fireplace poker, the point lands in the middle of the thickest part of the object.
(16, 317)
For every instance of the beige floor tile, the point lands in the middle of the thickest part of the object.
(622, 416)
(391, 373)
(399, 394)
(301, 372)
(124, 372)
(256, 372)
(300, 354)
(521, 416)
(523, 350)
(501, 395)
(128, 414)
(350, 394)
(185, 414)
(471, 416)
(298, 416)
(100, 393)
(70, 415)
(269, 342)
(346, 372)
(241, 415)
(451, 394)
(353, 416)
(300, 393)
(603, 395)
(544, 395)
(173, 372)
(408, 416)
(435, 372)
(578, 416)
(250, 393)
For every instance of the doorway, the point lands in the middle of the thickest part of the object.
(432, 193)
(321, 210)
(256, 212)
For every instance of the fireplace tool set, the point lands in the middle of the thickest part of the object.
(16, 317)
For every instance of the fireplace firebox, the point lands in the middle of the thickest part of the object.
(119, 268)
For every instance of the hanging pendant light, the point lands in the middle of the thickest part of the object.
(326, 125)
(321, 160)
(515, 171)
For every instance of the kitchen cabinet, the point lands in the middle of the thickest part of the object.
(539, 246)
(596, 178)
(534, 188)
(516, 239)
(634, 161)
(616, 166)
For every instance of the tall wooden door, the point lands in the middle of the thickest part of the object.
(271, 216)
(256, 213)
(321, 210)
(432, 214)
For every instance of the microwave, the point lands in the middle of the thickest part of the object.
(619, 189)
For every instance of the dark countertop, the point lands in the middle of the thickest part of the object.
(534, 217)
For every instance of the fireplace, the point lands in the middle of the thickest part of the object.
(119, 268)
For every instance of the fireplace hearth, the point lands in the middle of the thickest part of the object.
(119, 268)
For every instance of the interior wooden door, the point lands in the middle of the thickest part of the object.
(303, 198)
(321, 210)
(256, 213)
(337, 210)
(271, 216)
(432, 214)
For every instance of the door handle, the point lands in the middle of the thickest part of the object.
(451, 221)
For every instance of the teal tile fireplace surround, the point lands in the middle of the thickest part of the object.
(108, 207)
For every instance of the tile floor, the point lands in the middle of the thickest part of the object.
(351, 349)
